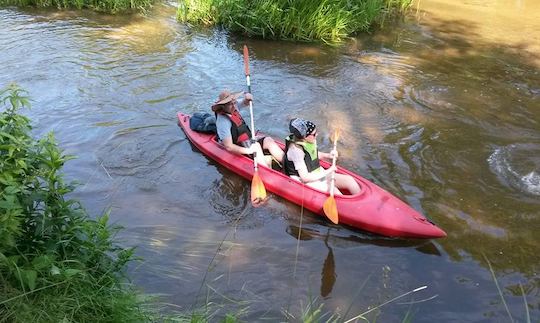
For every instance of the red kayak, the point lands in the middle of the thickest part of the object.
(373, 209)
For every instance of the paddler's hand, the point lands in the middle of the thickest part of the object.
(331, 169)
(247, 98)
(249, 150)
(252, 149)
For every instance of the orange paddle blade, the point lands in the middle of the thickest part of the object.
(246, 60)
(330, 209)
(258, 191)
(335, 136)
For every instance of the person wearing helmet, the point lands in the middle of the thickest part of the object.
(301, 160)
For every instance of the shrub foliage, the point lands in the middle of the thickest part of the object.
(56, 263)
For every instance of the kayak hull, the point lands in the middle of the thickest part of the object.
(373, 209)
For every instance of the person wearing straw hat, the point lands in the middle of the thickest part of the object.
(234, 133)
(301, 160)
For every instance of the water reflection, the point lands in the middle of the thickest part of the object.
(342, 238)
(229, 195)
(309, 59)
(328, 273)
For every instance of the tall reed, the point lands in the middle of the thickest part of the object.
(299, 20)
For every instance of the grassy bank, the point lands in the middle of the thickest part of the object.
(56, 263)
(108, 6)
(299, 20)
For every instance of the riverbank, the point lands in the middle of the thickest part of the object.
(107, 6)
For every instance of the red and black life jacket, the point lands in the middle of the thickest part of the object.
(239, 130)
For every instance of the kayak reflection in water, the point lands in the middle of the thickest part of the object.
(234, 133)
(301, 160)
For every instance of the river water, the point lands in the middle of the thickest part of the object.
(441, 108)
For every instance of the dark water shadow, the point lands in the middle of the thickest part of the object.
(92, 17)
(343, 238)
(229, 196)
(328, 273)
(310, 59)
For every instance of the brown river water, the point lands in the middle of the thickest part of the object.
(442, 109)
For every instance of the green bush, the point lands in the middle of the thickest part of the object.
(299, 20)
(56, 263)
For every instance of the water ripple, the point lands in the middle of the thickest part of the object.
(134, 151)
(518, 166)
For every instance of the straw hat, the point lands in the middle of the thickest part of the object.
(227, 96)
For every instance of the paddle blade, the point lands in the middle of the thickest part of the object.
(330, 209)
(258, 191)
(246, 60)
(335, 136)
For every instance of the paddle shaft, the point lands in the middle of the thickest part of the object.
(329, 206)
(248, 82)
(333, 178)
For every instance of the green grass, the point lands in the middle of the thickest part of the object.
(108, 6)
(299, 20)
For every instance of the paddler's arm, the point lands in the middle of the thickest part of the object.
(245, 101)
(307, 177)
(233, 148)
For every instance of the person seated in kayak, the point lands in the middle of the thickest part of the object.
(234, 133)
(301, 160)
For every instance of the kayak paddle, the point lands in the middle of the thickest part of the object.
(329, 206)
(258, 191)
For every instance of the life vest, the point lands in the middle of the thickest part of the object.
(239, 130)
(311, 156)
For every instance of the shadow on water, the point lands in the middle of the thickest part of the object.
(328, 273)
(314, 60)
(229, 196)
(342, 238)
